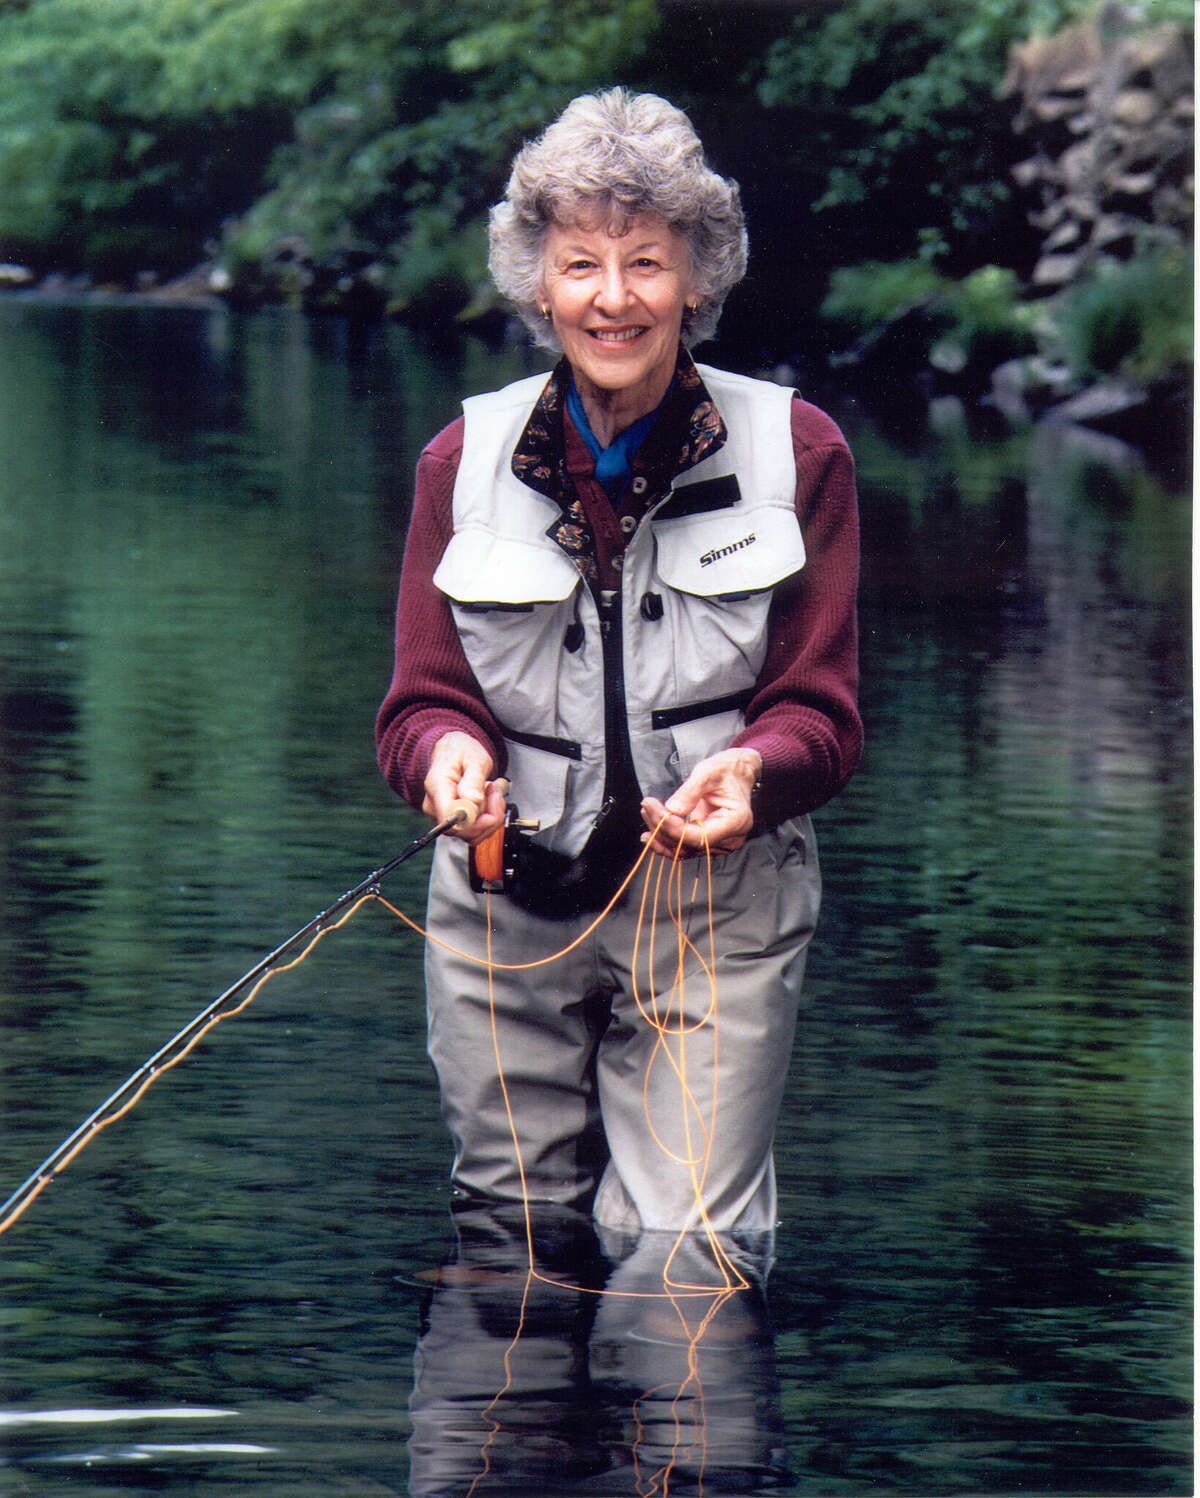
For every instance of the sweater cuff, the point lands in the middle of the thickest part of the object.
(422, 739)
(797, 776)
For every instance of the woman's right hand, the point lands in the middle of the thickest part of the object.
(460, 769)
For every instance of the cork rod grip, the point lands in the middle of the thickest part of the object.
(466, 812)
(462, 811)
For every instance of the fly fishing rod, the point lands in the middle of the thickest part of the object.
(235, 998)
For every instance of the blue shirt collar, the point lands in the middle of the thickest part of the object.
(612, 462)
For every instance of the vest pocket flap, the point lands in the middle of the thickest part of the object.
(732, 553)
(479, 568)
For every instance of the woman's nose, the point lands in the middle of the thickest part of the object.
(613, 295)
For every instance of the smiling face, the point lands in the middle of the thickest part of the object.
(617, 304)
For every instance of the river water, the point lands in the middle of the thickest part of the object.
(250, 1284)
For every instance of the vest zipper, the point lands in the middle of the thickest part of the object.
(620, 779)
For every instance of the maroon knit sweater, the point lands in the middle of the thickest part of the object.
(803, 719)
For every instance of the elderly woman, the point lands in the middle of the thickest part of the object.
(629, 590)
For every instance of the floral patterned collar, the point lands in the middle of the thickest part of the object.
(689, 428)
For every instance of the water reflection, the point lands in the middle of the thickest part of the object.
(622, 1384)
(982, 1280)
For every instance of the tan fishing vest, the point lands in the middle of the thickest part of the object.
(694, 603)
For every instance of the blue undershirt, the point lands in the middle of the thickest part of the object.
(612, 462)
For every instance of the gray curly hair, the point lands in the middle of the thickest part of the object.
(614, 156)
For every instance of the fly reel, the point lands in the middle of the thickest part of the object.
(492, 861)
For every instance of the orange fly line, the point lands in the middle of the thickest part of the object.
(663, 885)
(658, 1016)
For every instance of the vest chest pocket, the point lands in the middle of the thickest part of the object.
(729, 554)
(719, 571)
(514, 607)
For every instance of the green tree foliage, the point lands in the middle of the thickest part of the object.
(955, 325)
(410, 160)
(121, 134)
(301, 140)
(148, 123)
(892, 106)
(1132, 319)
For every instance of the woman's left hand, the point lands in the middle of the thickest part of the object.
(711, 809)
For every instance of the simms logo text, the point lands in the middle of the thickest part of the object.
(718, 552)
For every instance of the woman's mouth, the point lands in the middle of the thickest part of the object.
(615, 335)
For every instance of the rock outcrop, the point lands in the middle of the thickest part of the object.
(1107, 106)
